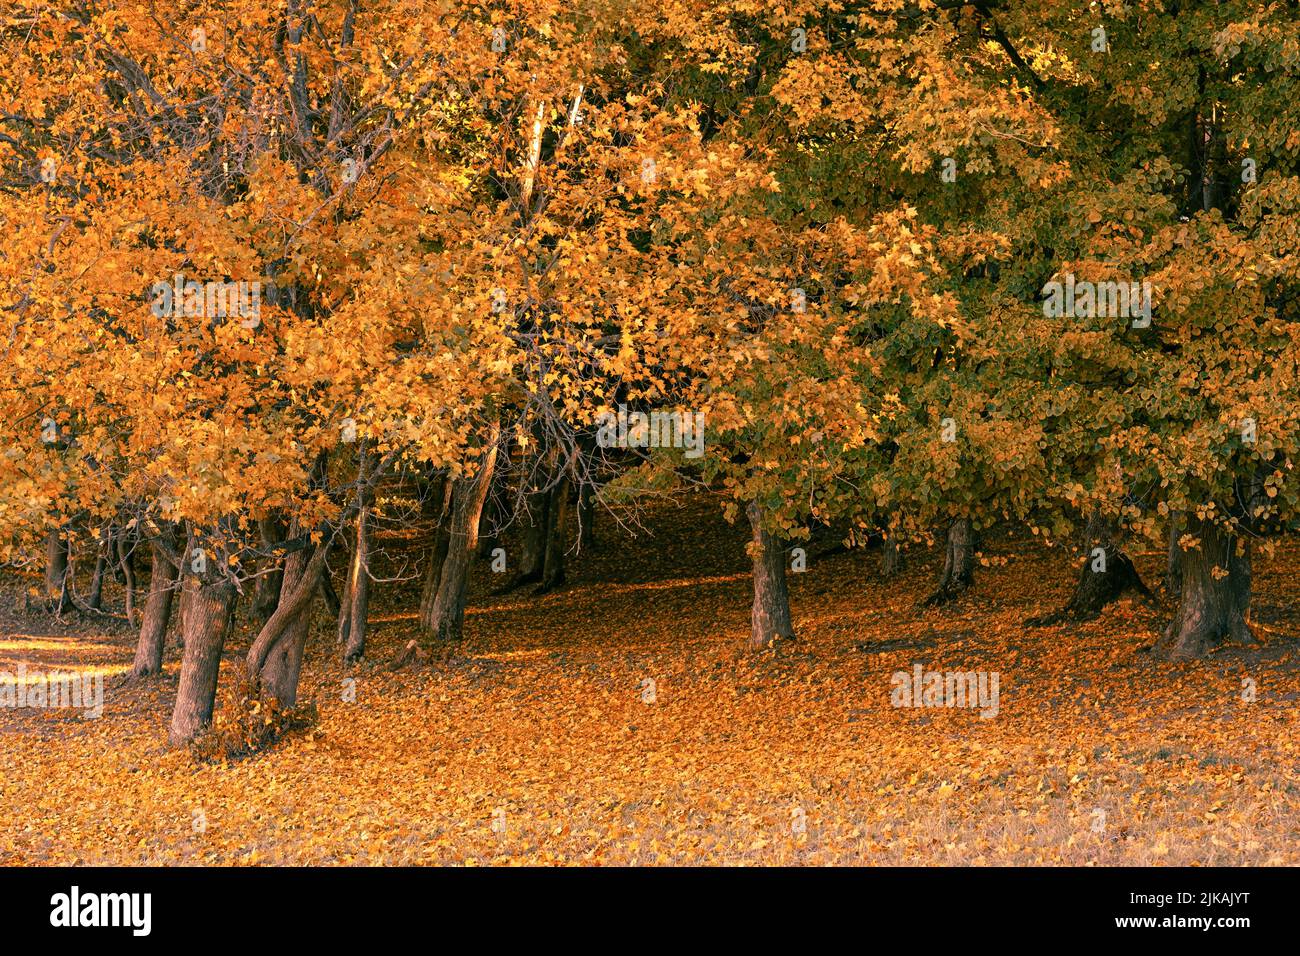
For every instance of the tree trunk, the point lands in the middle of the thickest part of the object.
(1174, 571)
(211, 602)
(1106, 574)
(95, 600)
(557, 530)
(275, 657)
(56, 572)
(448, 616)
(770, 615)
(274, 660)
(586, 516)
(433, 573)
(157, 612)
(279, 673)
(333, 603)
(958, 564)
(1213, 607)
(266, 589)
(891, 557)
(126, 560)
(354, 610)
(343, 616)
(489, 524)
(437, 556)
(178, 634)
(532, 552)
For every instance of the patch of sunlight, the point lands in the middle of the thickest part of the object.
(27, 642)
(37, 673)
(515, 655)
(670, 583)
(602, 590)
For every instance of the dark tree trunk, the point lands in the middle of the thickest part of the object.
(448, 616)
(126, 560)
(433, 573)
(891, 557)
(1213, 607)
(958, 563)
(179, 632)
(586, 516)
(266, 589)
(490, 523)
(1174, 570)
(56, 572)
(343, 616)
(333, 603)
(532, 553)
(210, 605)
(433, 487)
(557, 530)
(354, 610)
(157, 612)
(274, 660)
(95, 599)
(278, 677)
(770, 615)
(1106, 574)
(437, 556)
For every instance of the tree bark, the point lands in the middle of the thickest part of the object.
(770, 615)
(275, 657)
(266, 589)
(333, 603)
(433, 573)
(56, 572)
(437, 556)
(274, 661)
(958, 564)
(210, 605)
(489, 524)
(1174, 571)
(126, 560)
(279, 672)
(178, 638)
(586, 516)
(891, 557)
(532, 552)
(1214, 600)
(557, 530)
(448, 615)
(157, 612)
(1106, 574)
(95, 599)
(354, 609)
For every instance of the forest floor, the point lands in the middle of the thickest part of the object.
(539, 740)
